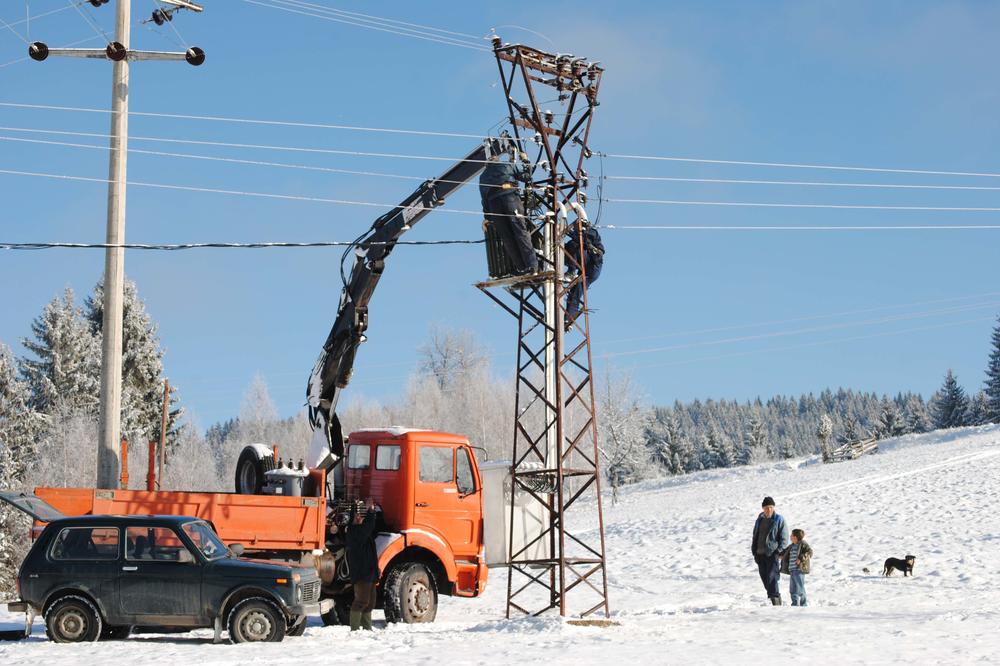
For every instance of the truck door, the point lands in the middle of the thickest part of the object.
(439, 507)
(160, 577)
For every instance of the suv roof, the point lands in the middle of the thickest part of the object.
(119, 520)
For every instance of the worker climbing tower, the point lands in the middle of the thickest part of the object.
(560, 565)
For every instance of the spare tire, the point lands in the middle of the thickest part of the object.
(250, 470)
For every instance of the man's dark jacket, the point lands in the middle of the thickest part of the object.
(777, 538)
(362, 559)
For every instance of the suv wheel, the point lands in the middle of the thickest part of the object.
(410, 594)
(73, 619)
(256, 620)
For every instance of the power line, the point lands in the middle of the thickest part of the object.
(814, 344)
(212, 190)
(43, 14)
(801, 331)
(16, 33)
(71, 44)
(248, 121)
(718, 329)
(402, 31)
(379, 19)
(169, 247)
(803, 183)
(786, 165)
(753, 204)
(828, 227)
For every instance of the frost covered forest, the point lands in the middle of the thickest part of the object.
(49, 413)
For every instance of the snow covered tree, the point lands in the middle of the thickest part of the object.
(890, 421)
(622, 422)
(66, 372)
(824, 429)
(979, 410)
(142, 366)
(918, 419)
(992, 387)
(852, 431)
(950, 404)
(18, 429)
(720, 448)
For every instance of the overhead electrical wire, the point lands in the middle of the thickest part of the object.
(35, 17)
(66, 46)
(16, 33)
(169, 247)
(378, 19)
(786, 165)
(425, 35)
(755, 204)
(801, 183)
(249, 121)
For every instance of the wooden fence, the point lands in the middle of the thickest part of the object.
(853, 450)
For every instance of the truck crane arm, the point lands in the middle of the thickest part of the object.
(335, 364)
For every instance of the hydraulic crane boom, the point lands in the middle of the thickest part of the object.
(335, 364)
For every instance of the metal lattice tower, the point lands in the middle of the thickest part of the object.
(556, 468)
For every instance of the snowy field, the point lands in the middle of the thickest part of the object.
(684, 587)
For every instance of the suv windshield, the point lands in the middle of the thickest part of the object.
(206, 540)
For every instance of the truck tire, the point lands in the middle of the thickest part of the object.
(410, 594)
(250, 470)
(256, 620)
(73, 619)
(340, 614)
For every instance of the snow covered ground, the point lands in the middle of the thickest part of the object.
(684, 587)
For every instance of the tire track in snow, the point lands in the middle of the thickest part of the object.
(958, 460)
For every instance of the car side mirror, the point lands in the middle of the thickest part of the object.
(184, 556)
(237, 549)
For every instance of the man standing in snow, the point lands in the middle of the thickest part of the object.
(362, 558)
(770, 539)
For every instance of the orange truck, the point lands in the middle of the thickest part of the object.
(430, 535)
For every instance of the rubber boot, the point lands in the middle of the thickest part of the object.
(775, 601)
(366, 621)
(355, 620)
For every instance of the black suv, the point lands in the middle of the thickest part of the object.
(94, 577)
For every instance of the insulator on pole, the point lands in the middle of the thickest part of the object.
(38, 51)
(195, 56)
(116, 51)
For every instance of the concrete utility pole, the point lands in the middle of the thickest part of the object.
(114, 264)
(118, 51)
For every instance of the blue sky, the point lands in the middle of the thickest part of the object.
(721, 314)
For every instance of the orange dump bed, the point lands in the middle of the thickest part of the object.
(258, 522)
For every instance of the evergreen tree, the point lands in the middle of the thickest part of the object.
(979, 410)
(852, 431)
(992, 387)
(18, 430)
(918, 419)
(66, 372)
(950, 404)
(890, 421)
(142, 366)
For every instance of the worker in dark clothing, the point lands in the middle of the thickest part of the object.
(593, 260)
(362, 560)
(505, 211)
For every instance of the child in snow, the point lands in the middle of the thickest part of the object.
(795, 563)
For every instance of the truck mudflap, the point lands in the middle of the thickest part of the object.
(467, 581)
(29, 619)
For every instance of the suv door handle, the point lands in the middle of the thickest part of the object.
(422, 504)
(130, 568)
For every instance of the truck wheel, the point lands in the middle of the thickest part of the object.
(340, 614)
(73, 619)
(256, 620)
(250, 470)
(410, 594)
(115, 632)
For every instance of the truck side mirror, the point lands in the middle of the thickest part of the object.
(237, 549)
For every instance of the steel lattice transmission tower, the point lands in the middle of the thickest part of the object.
(555, 469)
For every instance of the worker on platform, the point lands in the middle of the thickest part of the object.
(504, 209)
(592, 261)
(362, 560)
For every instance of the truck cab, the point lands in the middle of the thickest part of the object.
(430, 491)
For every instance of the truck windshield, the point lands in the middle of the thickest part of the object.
(206, 540)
